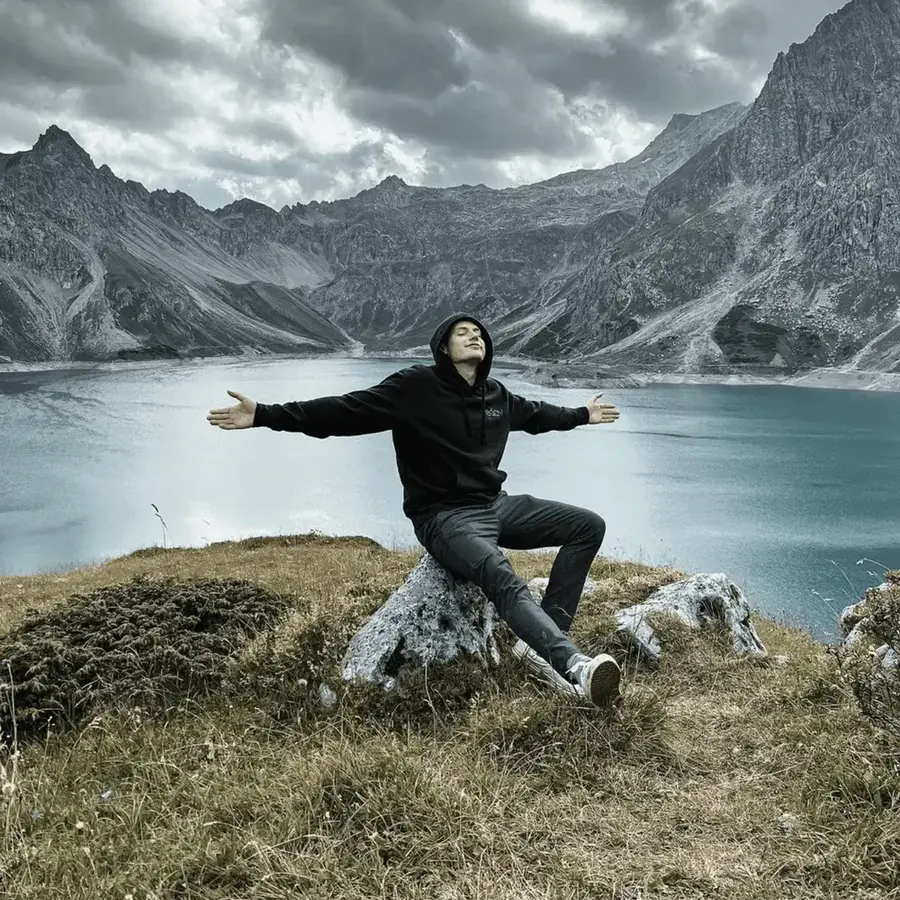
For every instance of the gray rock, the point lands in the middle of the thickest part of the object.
(849, 619)
(698, 601)
(852, 626)
(538, 587)
(431, 618)
(327, 696)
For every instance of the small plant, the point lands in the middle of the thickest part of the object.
(165, 527)
(9, 755)
(872, 664)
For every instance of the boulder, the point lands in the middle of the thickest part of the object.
(699, 601)
(853, 627)
(538, 587)
(431, 618)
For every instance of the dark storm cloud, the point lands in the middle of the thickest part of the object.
(97, 51)
(410, 73)
(493, 117)
(756, 32)
(82, 42)
(467, 85)
(130, 104)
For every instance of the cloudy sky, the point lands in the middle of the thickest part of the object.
(298, 100)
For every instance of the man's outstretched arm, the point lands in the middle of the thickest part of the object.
(374, 409)
(537, 416)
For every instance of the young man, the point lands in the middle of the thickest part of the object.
(450, 423)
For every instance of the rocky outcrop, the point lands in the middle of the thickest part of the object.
(699, 601)
(431, 618)
(874, 622)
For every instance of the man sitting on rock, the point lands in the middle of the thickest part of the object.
(450, 423)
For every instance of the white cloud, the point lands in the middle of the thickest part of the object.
(197, 95)
(576, 17)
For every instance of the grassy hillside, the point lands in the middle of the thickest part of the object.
(198, 762)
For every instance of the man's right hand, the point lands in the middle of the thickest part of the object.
(238, 416)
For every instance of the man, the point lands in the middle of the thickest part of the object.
(450, 423)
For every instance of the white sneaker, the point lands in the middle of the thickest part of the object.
(598, 677)
(544, 670)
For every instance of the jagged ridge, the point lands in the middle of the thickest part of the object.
(91, 265)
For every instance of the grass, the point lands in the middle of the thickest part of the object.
(717, 777)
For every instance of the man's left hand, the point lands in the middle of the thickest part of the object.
(601, 413)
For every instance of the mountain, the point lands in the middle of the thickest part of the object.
(93, 267)
(777, 246)
(757, 239)
(414, 254)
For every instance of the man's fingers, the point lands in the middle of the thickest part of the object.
(237, 396)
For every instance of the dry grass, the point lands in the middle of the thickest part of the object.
(718, 777)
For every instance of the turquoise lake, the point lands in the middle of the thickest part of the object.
(783, 489)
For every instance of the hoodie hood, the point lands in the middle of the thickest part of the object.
(442, 361)
(447, 371)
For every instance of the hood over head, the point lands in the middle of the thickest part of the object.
(440, 336)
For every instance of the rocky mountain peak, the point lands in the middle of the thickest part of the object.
(816, 87)
(391, 191)
(245, 207)
(55, 142)
(392, 182)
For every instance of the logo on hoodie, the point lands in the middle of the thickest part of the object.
(494, 413)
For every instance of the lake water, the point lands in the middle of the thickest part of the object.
(783, 489)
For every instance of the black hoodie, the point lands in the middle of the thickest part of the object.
(449, 436)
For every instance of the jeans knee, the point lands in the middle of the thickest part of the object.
(594, 527)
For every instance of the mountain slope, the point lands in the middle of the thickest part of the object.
(92, 266)
(501, 254)
(775, 247)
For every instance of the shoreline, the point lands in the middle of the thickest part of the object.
(563, 375)
(824, 379)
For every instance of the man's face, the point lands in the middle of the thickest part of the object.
(465, 343)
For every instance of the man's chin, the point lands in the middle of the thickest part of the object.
(471, 356)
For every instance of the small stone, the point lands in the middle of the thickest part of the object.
(788, 821)
(327, 697)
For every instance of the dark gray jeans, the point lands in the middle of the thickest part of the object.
(467, 542)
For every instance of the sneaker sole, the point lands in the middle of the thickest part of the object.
(605, 680)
